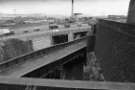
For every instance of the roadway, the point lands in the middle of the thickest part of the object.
(48, 32)
(30, 27)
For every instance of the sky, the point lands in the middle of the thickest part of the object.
(63, 7)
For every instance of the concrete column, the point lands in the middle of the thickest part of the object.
(131, 12)
(70, 36)
(62, 72)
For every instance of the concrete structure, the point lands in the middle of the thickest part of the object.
(115, 48)
(8, 83)
(43, 39)
(49, 84)
(131, 13)
(40, 63)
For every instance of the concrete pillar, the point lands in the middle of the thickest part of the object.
(70, 36)
(62, 72)
(131, 12)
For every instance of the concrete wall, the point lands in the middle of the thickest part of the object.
(13, 47)
(92, 69)
(131, 12)
(41, 42)
(115, 50)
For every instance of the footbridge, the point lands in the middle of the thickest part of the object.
(42, 61)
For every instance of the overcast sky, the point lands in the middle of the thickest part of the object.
(63, 7)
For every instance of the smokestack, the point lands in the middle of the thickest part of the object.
(72, 11)
(131, 12)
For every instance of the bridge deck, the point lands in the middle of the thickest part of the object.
(43, 58)
(47, 32)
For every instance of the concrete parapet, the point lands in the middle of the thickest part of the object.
(14, 47)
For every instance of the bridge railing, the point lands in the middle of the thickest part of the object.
(29, 56)
(49, 84)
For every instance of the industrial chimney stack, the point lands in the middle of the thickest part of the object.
(72, 11)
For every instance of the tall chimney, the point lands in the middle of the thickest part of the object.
(72, 11)
(131, 12)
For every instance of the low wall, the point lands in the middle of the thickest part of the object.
(14, 47)
(115, 50)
